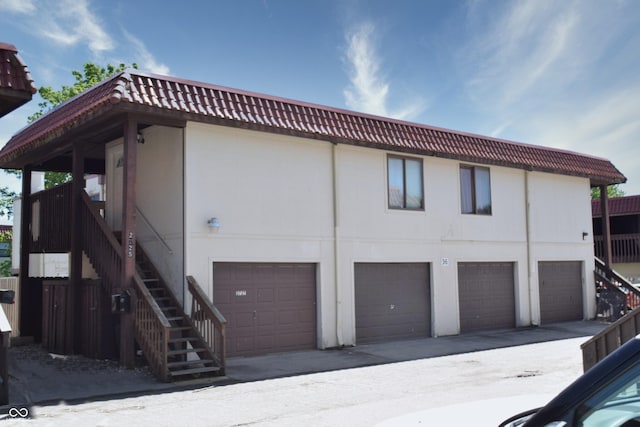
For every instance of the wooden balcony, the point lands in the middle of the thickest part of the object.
(624, 247)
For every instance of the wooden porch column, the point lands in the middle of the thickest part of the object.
(127, 332)
(74, 297)
(26, 312)
(606, 230)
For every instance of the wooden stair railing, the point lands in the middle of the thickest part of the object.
(100, 245)
(188, 353)
(169, 339)
(623, 329)
(208, 321)
(152, 330)
(612, 280)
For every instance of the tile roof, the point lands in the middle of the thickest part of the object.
(618, 206)
(134, 91)
(16, 84)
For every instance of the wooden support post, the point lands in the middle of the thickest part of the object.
(127, 332)
(74, 295)
(26, 310)
(606, 228)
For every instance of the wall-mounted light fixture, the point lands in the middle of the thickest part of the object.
(140, 138)
(584, 235)
(213, 223)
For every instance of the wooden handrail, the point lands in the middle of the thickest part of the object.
(152, 330)
(151, 325)
(155, 233)
(209, 322)
(100, 245)
(607, 341)
(623, 329)
(615, 278)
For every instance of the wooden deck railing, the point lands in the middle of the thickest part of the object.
(209, 322)
(624, 247)
(152, 330)
(623, 329)
(51, 232)
(607, 341)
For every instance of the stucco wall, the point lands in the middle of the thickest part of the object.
(159, 197)
(273, 196)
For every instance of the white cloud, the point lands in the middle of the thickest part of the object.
(369, 90)
(72, 22)
(18, 6)
(145, 59)
(68, 23)
(529, 45)
(561, 74)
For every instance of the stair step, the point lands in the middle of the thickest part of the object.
(169, 308)
(155, 289)
(180, 328)
(162, 298)
(153, 279)
(185, 351)
(194, 371)
(182, 339)
(175, 318)
(190, 363)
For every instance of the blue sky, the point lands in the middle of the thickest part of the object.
(562, 74)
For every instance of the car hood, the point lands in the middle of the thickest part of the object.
(480, 413)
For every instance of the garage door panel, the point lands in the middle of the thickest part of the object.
(486, 293)
(560, 287)
(264, 301)
(392, 301)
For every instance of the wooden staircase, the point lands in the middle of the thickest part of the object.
(625, 314)
(188, 354)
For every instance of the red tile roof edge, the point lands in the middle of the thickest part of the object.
(625, 205)
(19, 77)
(273, 113)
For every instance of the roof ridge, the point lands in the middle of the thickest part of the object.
(355, 114)
(134, 90)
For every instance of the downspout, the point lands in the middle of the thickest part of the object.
(527, 220)
(336, 247)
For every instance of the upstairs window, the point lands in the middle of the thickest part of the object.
(405, 186)
(475, 190)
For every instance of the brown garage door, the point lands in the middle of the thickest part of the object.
(269, 307)
(392, 301)
(560, 285)
(487, 296)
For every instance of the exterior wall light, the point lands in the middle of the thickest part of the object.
(584, 234)
(213, 223)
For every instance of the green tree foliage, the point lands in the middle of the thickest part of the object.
(91, 75)
(612, 191)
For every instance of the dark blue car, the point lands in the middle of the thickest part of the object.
(607, 395)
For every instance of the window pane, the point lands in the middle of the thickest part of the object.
(413, 179)
(466, 195)
(483, 191)
(396, 183)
